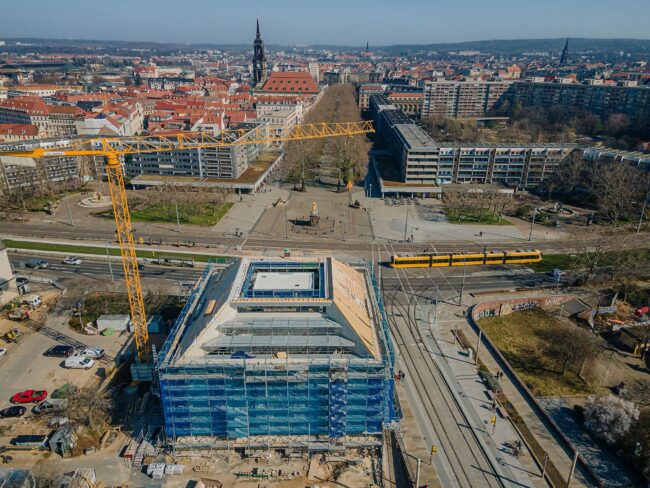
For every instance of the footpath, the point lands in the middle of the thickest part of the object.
(450, 317)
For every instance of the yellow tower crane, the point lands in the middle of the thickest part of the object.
(114, 148)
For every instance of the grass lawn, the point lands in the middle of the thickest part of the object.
(476, 216)
(207, 214)
(76, 249)
(551, 262)
(522, 337)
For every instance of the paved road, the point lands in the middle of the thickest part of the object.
(94, 268)
(448, 281)
(76, 233)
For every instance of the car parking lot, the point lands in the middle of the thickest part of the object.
(25, 366)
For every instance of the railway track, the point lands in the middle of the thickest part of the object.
(462, 456)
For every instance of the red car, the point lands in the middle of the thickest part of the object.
(643, 310)
(29, 396)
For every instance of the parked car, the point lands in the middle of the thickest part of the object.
(29, 396)
(33, 301)
(74, 260)
(91, 352)
(22, 280)
(79, 362)
(37, 264)
(15, 411)
(59, 351)
(3, 352)
(241, 355)
(50, 406)
(641, 311)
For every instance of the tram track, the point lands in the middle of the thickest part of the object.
(462, 455)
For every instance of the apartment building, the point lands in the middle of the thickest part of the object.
(63, 119)
(280, 122)
(25, 174)
(28, 111)
(463, 99)
(603, 100)
(266, 105)
(114, 119)
(364, 93)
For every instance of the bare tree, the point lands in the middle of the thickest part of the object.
(89, 408)
(572, 346)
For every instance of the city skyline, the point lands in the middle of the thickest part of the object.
(293, 23)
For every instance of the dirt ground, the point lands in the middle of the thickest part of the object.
(602, 373)
(113, 470)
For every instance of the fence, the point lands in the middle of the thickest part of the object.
(496, 308)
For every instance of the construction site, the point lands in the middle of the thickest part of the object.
(279, 354)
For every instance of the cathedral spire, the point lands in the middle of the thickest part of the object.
(258, 28)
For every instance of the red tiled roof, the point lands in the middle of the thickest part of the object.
(65, 109)
(29, 104)
(18, 130)
(290, 82)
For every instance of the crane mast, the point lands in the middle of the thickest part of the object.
(114, 147)
(124, 234)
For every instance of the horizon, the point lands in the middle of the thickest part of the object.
(267, 44)
(294, 24)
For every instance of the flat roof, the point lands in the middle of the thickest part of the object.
(414, 137)
(283, 281)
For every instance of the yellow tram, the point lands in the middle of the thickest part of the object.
(429, 260)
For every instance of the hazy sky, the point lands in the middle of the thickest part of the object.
(351, 22)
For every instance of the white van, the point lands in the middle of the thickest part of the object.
(79, 362)
(34, 301)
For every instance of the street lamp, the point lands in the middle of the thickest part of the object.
(645, 203)
(532, 222)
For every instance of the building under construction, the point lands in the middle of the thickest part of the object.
(279, 353)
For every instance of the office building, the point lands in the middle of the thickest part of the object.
(229, 162)
(279, 353)
(420, 161)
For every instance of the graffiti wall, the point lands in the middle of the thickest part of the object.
(504, 307)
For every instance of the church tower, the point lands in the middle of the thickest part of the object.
(259, 59)
(564, 59)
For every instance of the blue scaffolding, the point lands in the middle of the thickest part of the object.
(319, 396)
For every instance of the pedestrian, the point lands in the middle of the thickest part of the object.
(494, 404)
(403, 375)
